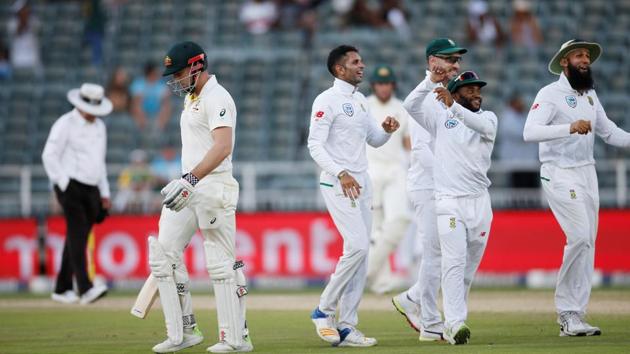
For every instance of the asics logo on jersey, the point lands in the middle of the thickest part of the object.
(451, 123)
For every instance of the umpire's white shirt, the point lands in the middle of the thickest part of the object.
(340, 126)
(213, 108)
(463, 141)
(556, 106)
(75, 149)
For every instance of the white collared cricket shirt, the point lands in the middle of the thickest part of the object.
(213, 108)
(340, 126)
(555, 107)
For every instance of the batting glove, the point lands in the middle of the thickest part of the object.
(178, 192)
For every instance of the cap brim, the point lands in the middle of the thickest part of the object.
(453, 51)
(103, 109)
(594, 48)
(480, 83)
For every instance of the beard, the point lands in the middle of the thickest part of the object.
(466, 103)
(580, 81)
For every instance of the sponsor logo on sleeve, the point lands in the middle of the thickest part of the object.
(222, 113)
(535, 106)
(571, 101)
(590, 100)
(319, 115)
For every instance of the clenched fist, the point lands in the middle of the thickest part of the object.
(390, 125)
(581, 127)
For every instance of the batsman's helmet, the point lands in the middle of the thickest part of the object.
(181, 56)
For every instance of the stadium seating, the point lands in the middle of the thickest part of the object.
(274, 80)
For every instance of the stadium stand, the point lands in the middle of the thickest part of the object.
(274, 78)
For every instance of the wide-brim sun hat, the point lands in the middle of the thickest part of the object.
(90, 98)
(594, 48)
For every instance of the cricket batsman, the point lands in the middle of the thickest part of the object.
(563, 118)
(340, 126)
(204, 198)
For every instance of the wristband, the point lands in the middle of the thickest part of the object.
(192, 179)
(342, 173)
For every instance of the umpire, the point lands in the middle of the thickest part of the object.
(74, 159)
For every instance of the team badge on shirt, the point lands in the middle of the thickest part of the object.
(572, 194)
(348, 109)
(451, 223)
(571, 101)
(451, 123)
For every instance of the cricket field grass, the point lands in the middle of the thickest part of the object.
(501, 321)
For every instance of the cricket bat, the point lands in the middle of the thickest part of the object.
(145, 299)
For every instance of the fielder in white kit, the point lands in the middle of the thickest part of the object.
(560, 110)
(387, 166)
(204, 198)
(419, 304)
(464, 139)
(339, 129)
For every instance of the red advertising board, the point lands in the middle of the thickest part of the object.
(304, 245)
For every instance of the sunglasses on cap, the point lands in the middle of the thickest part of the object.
(450, 58)
(467, 75)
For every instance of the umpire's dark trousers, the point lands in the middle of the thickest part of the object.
(81, 204)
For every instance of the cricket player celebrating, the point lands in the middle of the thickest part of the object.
(560, 110)
(464, 139)
(340, 126)
(443, 57)
(387, 165)
(204, 197)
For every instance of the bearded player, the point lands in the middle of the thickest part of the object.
(203, 198)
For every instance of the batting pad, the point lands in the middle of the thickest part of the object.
(222, 273)
(162, 270)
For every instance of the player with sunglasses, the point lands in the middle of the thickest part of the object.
(443, 56)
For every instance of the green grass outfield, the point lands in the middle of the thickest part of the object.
(74, 329)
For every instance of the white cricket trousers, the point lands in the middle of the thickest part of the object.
(354, 222)
(390, 221)
(464, 227)
(573, 197)
(425, 290)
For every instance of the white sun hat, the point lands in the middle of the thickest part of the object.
(90, 98)
(594, 49)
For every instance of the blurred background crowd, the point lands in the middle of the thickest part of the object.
(270, 55)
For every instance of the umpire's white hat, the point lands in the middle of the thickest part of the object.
(90, 98)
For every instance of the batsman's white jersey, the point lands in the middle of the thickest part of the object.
(213, 108)
(463, 146)
(569, 180)
(387, 169)
(339, 129)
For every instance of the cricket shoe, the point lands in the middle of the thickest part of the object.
(94, 293)
(432, 333)
(190, 339)
(572, 325)
(409, 309)
(456, 335)
(224, 347)
(68, 297)
(325, 326)
(352, 337)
